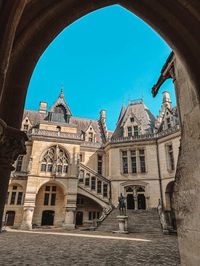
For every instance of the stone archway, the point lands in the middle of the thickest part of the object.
(26, 29)
(49, 205)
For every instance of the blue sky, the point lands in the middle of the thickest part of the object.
(102, 59)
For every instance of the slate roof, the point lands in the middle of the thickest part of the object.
(82, 124)
(142, 114)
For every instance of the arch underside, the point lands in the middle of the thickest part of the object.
(32, 25)
(42, 21)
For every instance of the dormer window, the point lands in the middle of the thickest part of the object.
(90, 138)
(136, 133)
(129, 131)
(168, 123)
(25, 128)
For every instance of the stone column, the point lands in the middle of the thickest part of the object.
(27, 218)
(70, 211)
(12, 144)
(69, 220)
(135, 198)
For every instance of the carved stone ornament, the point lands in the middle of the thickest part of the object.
(12, 144)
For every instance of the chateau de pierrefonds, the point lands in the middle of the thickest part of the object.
(75, 168)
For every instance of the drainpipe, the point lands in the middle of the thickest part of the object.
(159, 174)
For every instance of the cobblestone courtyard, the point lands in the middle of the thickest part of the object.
(60, 248)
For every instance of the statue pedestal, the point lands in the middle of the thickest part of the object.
(123, 224)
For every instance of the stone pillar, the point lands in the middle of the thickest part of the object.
(69, 220)
(12, 144)
(135, 198)
(123, 224)
(70, 211)
(27, 218)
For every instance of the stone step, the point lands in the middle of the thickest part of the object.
(145, 221)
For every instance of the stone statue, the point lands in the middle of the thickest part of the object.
(122, 205)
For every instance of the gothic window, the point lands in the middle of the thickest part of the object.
(87, 180)
(140, 189)
(99, 186)
(100, 163)
(19, 163)
(170, 157)
(105, 190)
(136, 131)
(50, 196)
(129, 189)
(132, 119)
(19, 198)
(81, 176)
(124, 162)
(133, 162)
(129, 131)
(55, 160)
(15, 195)
(142, 161)
(93, 183)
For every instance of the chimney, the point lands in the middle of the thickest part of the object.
(43, 107)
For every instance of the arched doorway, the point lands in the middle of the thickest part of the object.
(135, 197)
(10, 218)
(141, 202)
(169, 206)
(130, 202)
(48, 217)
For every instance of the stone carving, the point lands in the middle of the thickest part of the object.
(12, 144)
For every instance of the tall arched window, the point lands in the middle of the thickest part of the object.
(55, 160)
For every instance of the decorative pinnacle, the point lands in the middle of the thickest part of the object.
(62, 91)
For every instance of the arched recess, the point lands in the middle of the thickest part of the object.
(57, 182)
(50, 199)
(168, 195)
(41, 22)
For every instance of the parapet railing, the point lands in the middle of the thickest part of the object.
(55, 134)
(63, 135)
(91, 144)
(146, 136)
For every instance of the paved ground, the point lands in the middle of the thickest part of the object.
(86, 248)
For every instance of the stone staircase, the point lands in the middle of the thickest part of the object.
(94, 183)
(139, 221)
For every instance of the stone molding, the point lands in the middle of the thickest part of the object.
(12, 144)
